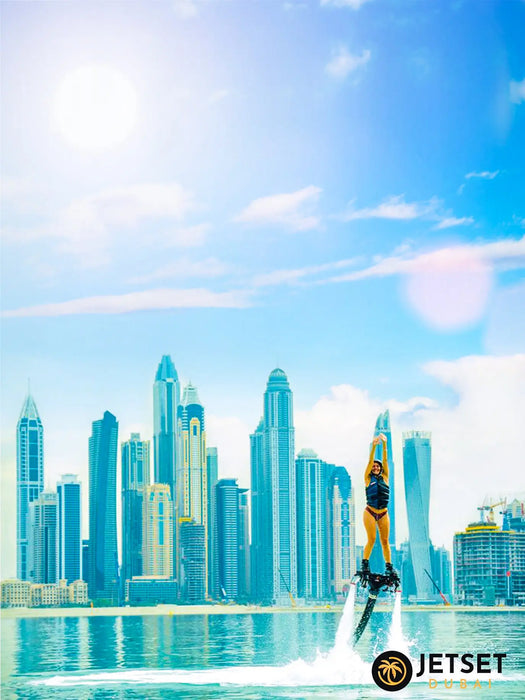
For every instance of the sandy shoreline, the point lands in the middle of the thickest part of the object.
(169, 610)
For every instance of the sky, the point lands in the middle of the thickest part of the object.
(334, 187)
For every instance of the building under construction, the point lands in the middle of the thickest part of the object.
(489, 564)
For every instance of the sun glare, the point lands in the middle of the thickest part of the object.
(95, 107)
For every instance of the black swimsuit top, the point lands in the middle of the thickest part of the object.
(377, 492)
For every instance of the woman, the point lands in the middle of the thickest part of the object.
(375, 516)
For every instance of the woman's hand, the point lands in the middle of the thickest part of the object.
(376, 441)
(382, 437)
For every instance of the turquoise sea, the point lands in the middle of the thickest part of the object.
(277, 655)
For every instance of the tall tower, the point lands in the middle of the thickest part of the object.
(166, 399)
(273, 495)
(157, 543)
(312, 531)
(342, 529)
(103, 553)
(416, 466)
(29, 477)
(228, 537)
(43, 547)
(244, 545)
(212, 468)
(192, 476)
(69, 529)
(135, 476)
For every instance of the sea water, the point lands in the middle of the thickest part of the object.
(274, 655)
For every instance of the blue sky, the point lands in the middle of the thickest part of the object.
(333, 187)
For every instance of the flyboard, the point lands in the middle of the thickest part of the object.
(375, 583)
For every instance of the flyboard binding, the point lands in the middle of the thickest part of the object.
(375, 584)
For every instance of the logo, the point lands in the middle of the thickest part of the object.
(392, 670)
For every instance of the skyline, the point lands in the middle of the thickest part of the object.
(346, 205)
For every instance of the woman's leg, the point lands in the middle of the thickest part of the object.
(370, 526)
(383, 525)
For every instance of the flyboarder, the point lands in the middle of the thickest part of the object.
(375, 516)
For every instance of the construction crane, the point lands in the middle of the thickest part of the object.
(445, 601)
(490, 508)
(292, 599)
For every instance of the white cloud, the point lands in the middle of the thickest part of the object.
(517, 91)
(343, 62)
(186, 8)
(352, 4)
(184, 268)
(292, 210)
(447, 288)
(506, 253)
(277, 277)
(149, 300)
(450, 221)
(473, 448)
(231, 437)
(90, 225)
(485, 175)
(395, 207)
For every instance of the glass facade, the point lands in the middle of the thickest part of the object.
(69, 529)
(417, 455)
(312, 530)
(274, 531)
(135, 476)
(103, 553)
(29, 478)
(166, 399)
(342, 546)
(227, 493)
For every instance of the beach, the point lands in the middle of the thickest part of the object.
(170, 610)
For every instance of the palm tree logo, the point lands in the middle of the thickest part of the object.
(392, 670)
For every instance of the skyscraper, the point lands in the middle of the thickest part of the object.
(192, 476)
(312, 531)
(342, 552)
(166, 399)
(192, 561)
(135, 476)
(212, 468)
(69, 529)
(244, 545)
(157, 542)
(43, 549)
(489, 565)
(417, 467)
(227, 492)
(29, 477)
(103, 553)
(273, 495)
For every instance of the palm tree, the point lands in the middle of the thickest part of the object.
(391, 669)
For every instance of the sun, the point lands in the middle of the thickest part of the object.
(95, 107)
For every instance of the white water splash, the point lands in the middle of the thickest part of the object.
(396, 638)
(346, 623)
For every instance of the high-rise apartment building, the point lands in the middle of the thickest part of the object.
(212, 468)
(166, 399)
(244, 545)
(489, 565)
(157, 541)
(69, 529)
(29, 477)
(417, 468)
(227, 492)
(274, 530)
(135, 476)
(341, 527)
(103, 553)
(43, 549)
(312, 527)
(192, 474)
(192, 561)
